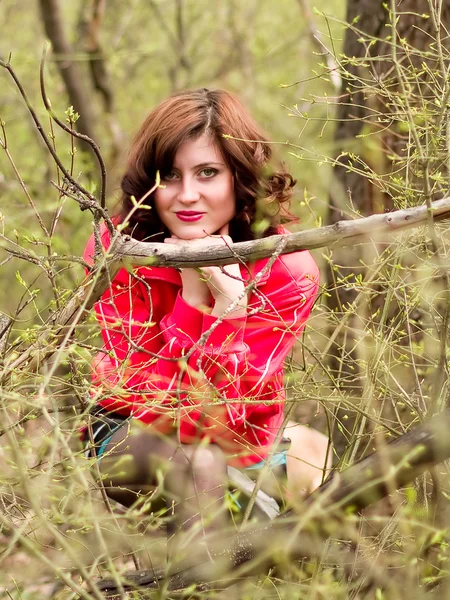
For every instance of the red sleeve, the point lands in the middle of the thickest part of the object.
(241, 360)
(191, 370)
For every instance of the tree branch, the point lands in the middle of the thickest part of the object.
(81, 136)
(127, 251)
(342, 233)
(75, 185)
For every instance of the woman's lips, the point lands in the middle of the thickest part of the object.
(187, 215)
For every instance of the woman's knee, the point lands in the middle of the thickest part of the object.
(202, 458)
(138, 455)
(309, 458)
(134, 455)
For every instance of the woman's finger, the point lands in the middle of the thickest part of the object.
(211, 240)
(218, 240)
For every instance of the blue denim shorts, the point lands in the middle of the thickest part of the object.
(278, 459)
(104, 427)
(106, 424)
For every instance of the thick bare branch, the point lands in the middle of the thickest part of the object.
(124, 250)
(90, 28)
(342, 233)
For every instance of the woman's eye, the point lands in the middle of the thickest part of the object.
(208, 172)
(170, 176)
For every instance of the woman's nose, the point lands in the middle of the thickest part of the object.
(188, 191)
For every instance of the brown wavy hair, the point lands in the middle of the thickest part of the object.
(186, 116)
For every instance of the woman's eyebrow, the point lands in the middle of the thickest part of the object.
(202, 165)
(207, 164)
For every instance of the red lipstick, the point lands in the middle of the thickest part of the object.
(189, 215)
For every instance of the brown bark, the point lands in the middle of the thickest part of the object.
(350, 192)
(97, 62)
(352, 109)
(363, 89)
(90, 28)
(68, 68)
(371, 103)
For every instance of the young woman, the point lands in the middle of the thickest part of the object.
(190, 378)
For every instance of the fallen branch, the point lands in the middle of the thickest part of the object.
(356, 488)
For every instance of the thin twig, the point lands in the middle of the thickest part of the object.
(95, 203)
(73, 132)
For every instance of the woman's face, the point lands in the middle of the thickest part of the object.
(198, 195)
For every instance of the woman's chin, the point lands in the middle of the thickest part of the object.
(191, 236)
(199, 230)
(193, 233)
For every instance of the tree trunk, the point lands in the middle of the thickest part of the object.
(68, 69)
(353, 191)
(90, 23)
(384, 66)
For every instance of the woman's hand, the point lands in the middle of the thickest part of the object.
(223, 284)
(195, 291)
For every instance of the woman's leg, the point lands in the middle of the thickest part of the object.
(309, 460)
(194, 478)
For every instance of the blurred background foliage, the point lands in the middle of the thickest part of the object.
(267, 55)
(375, 355)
